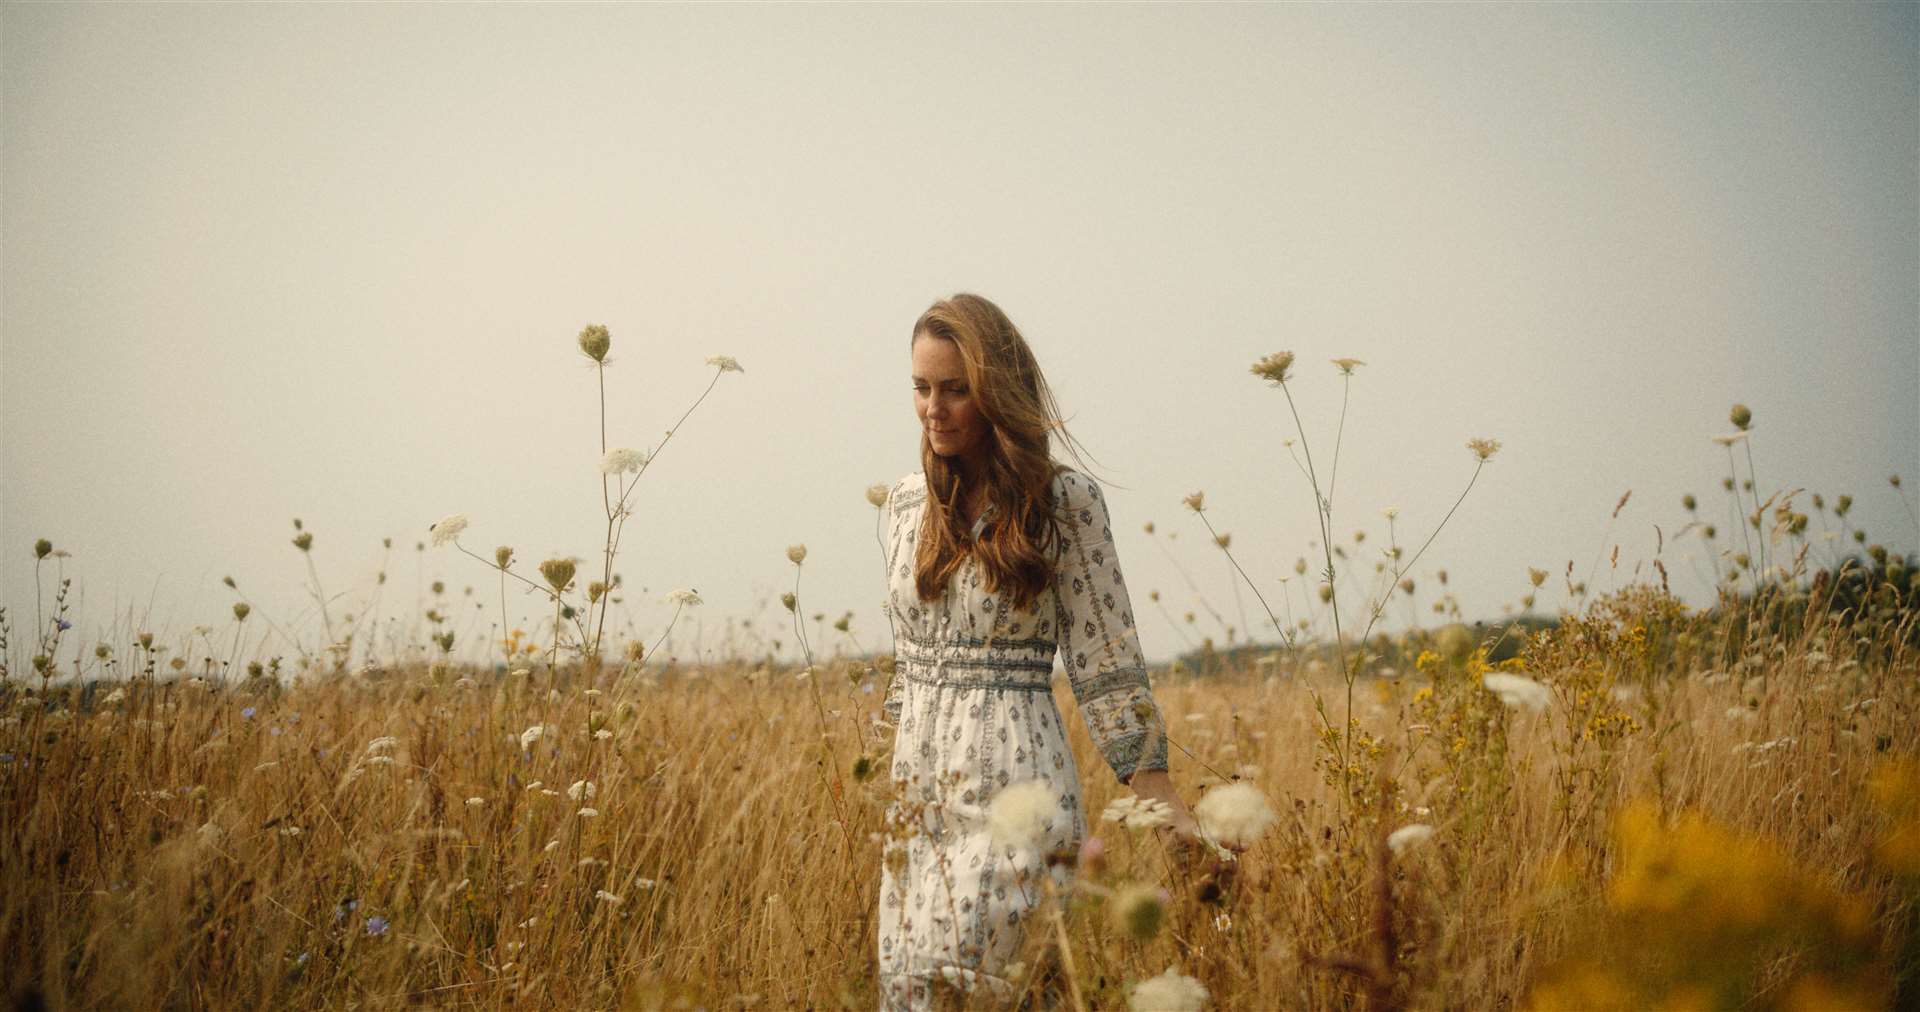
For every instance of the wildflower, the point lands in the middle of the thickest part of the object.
(725, 363)
(1139, 911)
(1223, 539)
(1483, 449)
(558, 572)
(376, 925)
(1235, 814)
(1169, 992)
(606, 897)
(602, 735)
(796, 554)
(1690, 503)
(1020, 814)
(595, 342)
(1274, 367)
(303, 541)
(1740, 416)
(622, 460)
(684, 597)
(1390, 512)
(582, 790)
(241, 610)
(531, 735)
(447, 529)
(116, 696)
(1135, 812)
(476, 802)
(1346, 365)
(1196, 502)
(42, 548)
(502, 556)
(1730, 439)
(1406, 836)
(1536, 576)
(1517, 690)
(589, 813)
(877, 496)
(788, 601)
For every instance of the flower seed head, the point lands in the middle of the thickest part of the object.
(1740, 416)
(594, 342)
(1274, 367)
(877, 496)
(1483, 449)
(1138, 911)
(788, 601)
(622, 460)
(241, 610)
(1196, 502)
(1345, 365)
(303, 541)
(725, 363)
(447, 529)
(1689, 502)
(796, 554)
(559, 572)
(503, 556)
(42, 548)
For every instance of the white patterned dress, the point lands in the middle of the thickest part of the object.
(972, 702)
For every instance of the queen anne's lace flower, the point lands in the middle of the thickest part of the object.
(684, 597)
(622, 460)
(725, 363)
(1138, 813)
(1235, 814)
(447, 529)
(1406, 836)
(1172, 991)
(1019, 815)
(1517, 690)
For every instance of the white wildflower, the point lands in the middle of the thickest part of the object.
(1729, 440)
(877, 495)
(447, 529)
(1020, 814)
(589, 813)
(684, 597)
(476, 802)
(1517, 690)
(602, 735)
(582, 790)
(1406, 836)
(725, 363)
(1390, 512)
(622, 460)
(606, 897)
(116, 696)
(1133, 812)
(1172, 991)
(1235, 814)
(531, 735)
(796, 554)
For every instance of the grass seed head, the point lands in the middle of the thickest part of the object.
(595, 342)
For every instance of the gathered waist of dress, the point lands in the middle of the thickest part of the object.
(1017, 665)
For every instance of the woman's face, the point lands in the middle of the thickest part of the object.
(943, 400)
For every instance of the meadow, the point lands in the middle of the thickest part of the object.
(1629, 803)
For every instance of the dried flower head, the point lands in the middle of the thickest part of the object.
(582, 790)
(303, 541)
(1406, 836)
(622, 460)
(503, 556)
(241, 610)
(788, 601)
(1196, 502)
(725, 363)
(877, 496)
(1169, 992)
(1517, 690)
(1536, 576)
(683, 597)
(1390, 512)
(1235, 814)
(1740, 416)
(796, 554)
(559, 572)
(1483, 449)
(447, 529)
(1345, 365)
(42, 548)
(1730, 438)
(1139, 910)
(595, 341)
(1274, 367)
(1021, 813)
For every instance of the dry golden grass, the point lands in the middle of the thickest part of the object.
(169, 850)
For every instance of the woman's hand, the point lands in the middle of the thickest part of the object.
(1191, 857)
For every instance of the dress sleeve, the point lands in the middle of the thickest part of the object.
(896, 685)
(1098, 644)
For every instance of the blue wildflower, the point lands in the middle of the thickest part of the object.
(248, 713)
(62, 624)
(376, 925)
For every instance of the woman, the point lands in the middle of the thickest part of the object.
(996, 558)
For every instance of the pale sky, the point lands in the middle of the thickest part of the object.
(328, 261)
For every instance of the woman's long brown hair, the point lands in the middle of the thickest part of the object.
(1018, 548)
